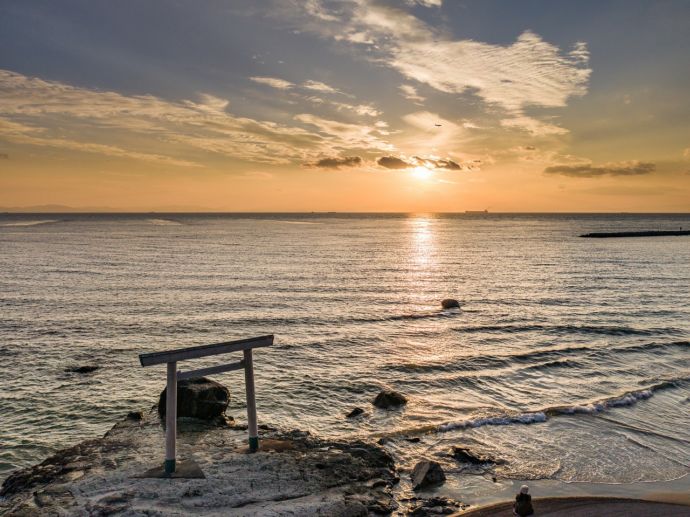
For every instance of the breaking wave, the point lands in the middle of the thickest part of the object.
(626, 399)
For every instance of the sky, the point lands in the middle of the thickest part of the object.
(346, 105)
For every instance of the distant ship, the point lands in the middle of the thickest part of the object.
(476, 211)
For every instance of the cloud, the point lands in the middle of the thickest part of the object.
(181, 133)
(4, 156)
(273, 82)
(336, 163)
(686, 153)
(528, 73)
(318, 86)
(342, 135)
(359, 109)
(439, 164)
(391, 162)
(410, 93)
(612, 169)
(427, 3)
(533, 126)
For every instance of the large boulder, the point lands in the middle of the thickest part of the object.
(198, 398)
(450, 303)
(389, 399)
(427, 474)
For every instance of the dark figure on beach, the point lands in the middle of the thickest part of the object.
(523, 503)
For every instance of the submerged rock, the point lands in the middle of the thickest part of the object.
(135, 415)
(465, 455)
(388, 399)
(450, 303)
(434, 506)
(198, 398)
(427, 474)
(355, 412)
(82, 369)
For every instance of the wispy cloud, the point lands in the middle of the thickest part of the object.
(344, 135)
(410, 93)
(633, 168)
(525, 74)
(184, 133)
(318, 86)
(273, 82)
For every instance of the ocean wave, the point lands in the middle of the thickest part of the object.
(645, 347)
(523, 418)
(607, 330)
(532, 417)
(164, 222)
(444, 313)
(553, 358)
(557, 363)
(30, 223)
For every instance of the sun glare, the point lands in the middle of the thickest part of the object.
(422, 172)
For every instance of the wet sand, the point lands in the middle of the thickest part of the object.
(593, 507)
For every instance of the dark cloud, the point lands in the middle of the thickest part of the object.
(529, 148)
(4, 156)
(591, 171)
(336, 163)
(438, 164)
(391, 162)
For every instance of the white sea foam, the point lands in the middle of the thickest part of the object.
(524, 418)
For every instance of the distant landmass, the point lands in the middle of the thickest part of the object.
(59, 209)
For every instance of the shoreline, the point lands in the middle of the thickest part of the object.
(590, 507)
(293, 472)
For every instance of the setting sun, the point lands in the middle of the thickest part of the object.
(422, 172)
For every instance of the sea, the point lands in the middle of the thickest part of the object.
(568, 360)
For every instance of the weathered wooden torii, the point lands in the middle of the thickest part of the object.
(172, 357)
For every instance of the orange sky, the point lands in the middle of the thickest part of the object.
(373, 106)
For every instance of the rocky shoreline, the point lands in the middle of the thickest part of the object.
(294, 473)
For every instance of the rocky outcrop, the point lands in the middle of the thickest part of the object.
(294, 473)
(427, 474)
(358, 411)
(388, 399)
(199, 398)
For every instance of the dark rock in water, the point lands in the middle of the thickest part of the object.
(388, 399)
(135, 415)
(427, 474)
(82, 369)
(450, 303)
(435, 506)
(465, 455)
(414, 439)
(355, 412)
(198, 398)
